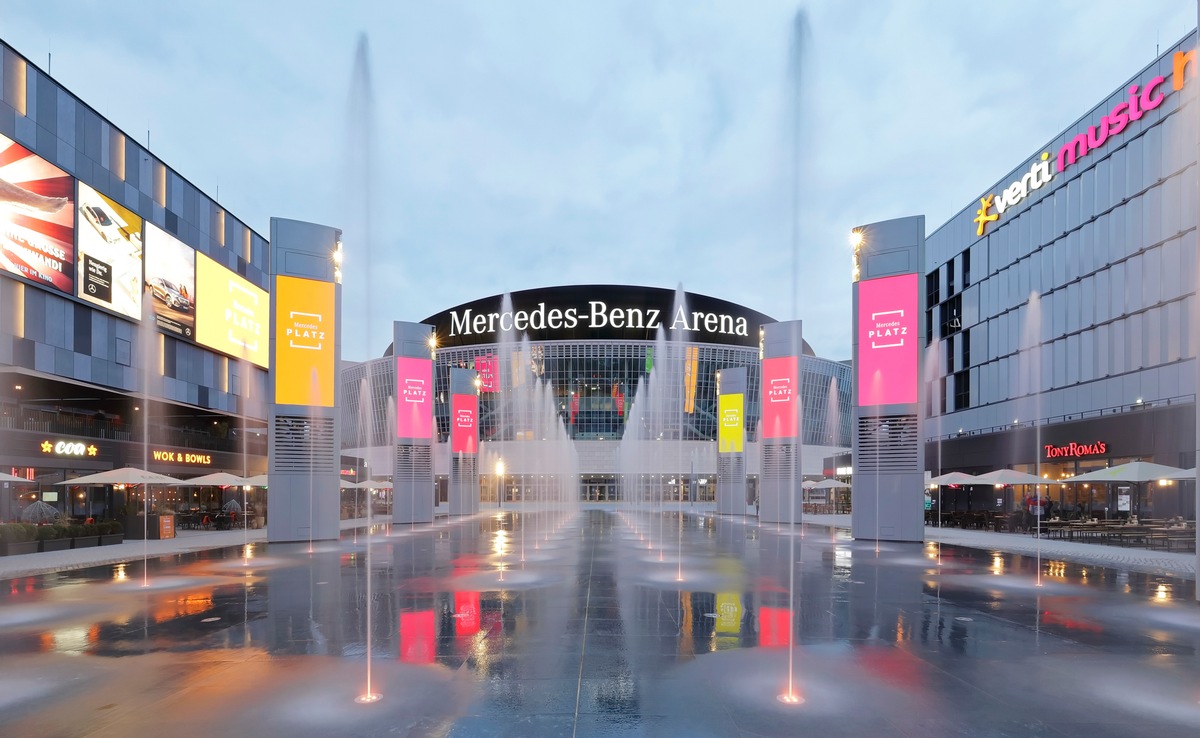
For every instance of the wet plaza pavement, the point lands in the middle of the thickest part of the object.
(620, 621)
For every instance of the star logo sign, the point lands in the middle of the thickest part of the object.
(91, 450)
(47, 447)
(982, 216)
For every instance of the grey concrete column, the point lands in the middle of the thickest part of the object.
(887, 494)
(412, 466)
(731, 441)
(304, 422)
(782, 439)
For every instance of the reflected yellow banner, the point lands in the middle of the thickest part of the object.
(231, 313)
(729, 612)
(304, 342)
(730, 438)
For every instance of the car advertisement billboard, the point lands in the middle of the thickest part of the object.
(109, 254)
(414, 398)
(730, 438)
(171, 282)
(887, 340)
(37, 218)
(304, 341)
(231, 314)
(464, 417)
(780, 415)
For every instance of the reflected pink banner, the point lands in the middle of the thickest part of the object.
(780, 416)
(414, 398)
(464, 420)
(887, 340)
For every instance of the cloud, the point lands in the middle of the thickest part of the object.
(526, 144)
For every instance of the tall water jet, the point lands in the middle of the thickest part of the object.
(1030, 377)
(797, 113)
(361, 131)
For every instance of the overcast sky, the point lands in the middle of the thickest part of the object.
(526, 144)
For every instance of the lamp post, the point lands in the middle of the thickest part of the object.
(499, 482)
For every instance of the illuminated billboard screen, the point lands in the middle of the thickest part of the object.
(464, 416)
(489, 373)
(37, 218)
(414, 398)
(780, 416)
(304, 341)
(730, 438)
(171, 282)
(887, 341)
(109, 254)
(231, 314)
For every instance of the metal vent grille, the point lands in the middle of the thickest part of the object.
(731, 468)
(463, 469)
(887, 444)
(779, 461)
(302, 444)
(413, 462)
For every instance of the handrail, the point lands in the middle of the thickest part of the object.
(1051, 420)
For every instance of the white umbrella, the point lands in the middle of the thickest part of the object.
(347, 485)
(1185, 475)
(1012, 476)
(40, 512)
(956, 478)
(216, 479)
(124, 475)
(14, 479)
(808, 484)
(258, 480)
(1134, 471)
(830, 484)
(374, 485)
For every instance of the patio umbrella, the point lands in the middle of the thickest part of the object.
(216, 479)
(375, 485)
(1185, 475)
(258, 480)
(830, 484)
(808, 484)
(40, 512)
(1012, 476)
(956, 478)
(124, 475)
(15, 480)
(1134, 471)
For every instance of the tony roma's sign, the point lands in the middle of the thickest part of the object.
(605, 312)
(1074, 450)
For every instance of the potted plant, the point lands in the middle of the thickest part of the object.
(15, 539)
(110, 532)
(50, 538)
(83, 536)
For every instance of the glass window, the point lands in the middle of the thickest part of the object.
(1119, 362)
(1133, 284)
(1073, 307)
(1087, 356)
(1168, 256)
(1151, 155)
(1169, 207)
(1152, 230)
(1119, 186)
(1072, 359)
(1103, 351)
(1136, 349)
(1152, 276)
(1116, 296)
(1103, 186)
(1060, 363)
(1187, 342)
(1087, 302)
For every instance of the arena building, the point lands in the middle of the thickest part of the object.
(1062, 305)
(591, 347)
(132, 306)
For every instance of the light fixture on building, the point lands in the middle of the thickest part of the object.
(338, 255)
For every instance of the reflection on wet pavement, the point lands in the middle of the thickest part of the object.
(593, 633)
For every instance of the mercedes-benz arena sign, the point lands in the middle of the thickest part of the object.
(599, 312)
